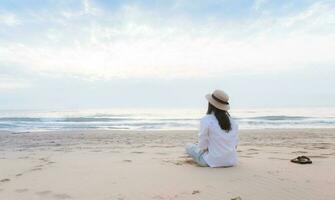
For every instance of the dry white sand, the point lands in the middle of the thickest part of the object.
(96, 165)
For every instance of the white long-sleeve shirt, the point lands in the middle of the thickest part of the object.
(221, 145)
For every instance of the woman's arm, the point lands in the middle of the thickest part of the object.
(237, 138)
(203, 135)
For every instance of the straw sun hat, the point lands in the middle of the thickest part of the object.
(219, 99)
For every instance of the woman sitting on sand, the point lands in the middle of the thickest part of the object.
(217, 141)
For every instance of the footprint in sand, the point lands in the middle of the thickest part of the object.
(98, 150)
(138, 146)
(36, 169)
(59, 150)
(246, 156)
(127, 161)
(252, 153)
(4, 180)
(252, 149)
(195, 192)
(17, 175)
(56, 196)
(114, 151)
(169, 146)
(23, 157)
(43, 193)
(138, 152)
(321, 147)
(21, 190)
(44, 159)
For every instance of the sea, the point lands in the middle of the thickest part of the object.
(161, 119)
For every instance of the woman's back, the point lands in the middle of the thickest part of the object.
(221, 143)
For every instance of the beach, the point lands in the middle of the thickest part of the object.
(117, 164)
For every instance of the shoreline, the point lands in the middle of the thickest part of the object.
(153, 165)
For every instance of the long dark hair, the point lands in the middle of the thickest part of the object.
(222, 117)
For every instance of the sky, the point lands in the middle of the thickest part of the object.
(76, 54)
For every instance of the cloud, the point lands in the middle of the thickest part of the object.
(258, 4)
(135, 42)
(8, 19)
(9, 83)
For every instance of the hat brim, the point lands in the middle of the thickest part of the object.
(218, 105)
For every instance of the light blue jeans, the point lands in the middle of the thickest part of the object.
(197, 154)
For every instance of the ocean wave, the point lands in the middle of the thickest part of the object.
(86, 119)
(146, 121)
(276, 118)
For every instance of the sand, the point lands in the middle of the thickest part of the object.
(96, 165)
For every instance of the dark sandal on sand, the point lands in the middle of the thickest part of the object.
(302, 160)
